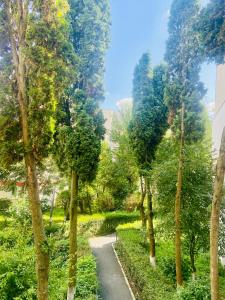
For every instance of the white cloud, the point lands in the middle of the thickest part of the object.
(124, 101)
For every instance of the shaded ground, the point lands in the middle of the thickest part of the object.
(112, 282)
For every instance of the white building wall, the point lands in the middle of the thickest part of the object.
(219, 117)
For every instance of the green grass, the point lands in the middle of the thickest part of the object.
(96, 224)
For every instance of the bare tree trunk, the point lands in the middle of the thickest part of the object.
(17, 39)
(179, 276)
(150, 225)
(215, 213)
(141, 204)
(73, 238)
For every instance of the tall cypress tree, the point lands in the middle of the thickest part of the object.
(211, 27)
(80, 120)
(183, 94)
(33, 66)
(148, 126)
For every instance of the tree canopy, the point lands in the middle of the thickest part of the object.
(211, 26)
(148, 123)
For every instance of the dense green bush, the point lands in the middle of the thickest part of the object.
(17, 264)
(150, 283)
(87, 284)
(4, 206)
(17, 273)
(198, 289)
(168, 266)
(53, 228)
(20, 211)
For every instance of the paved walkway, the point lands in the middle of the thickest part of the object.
(112, 281)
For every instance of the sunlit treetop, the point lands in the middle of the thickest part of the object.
(211, 26)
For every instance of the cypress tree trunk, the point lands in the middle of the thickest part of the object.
(73, 237)
(179, 276)
(17, 40)
(141, 204)
(40, 241)
(150, 225)
(215, 213)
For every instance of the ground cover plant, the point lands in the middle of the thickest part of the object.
(17, 265)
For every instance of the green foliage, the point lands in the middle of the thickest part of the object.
(62, 200)
(106, 224)
(4, 206)
(116, 178)
(19, 210)
(125, 166)
(89, 23)
(48, 59)
(168, 266)
(135, 259)
(149, 112)
(53, 228)
(184, 60)
(196, 192)
(17, 265)
(112, 220)
(80, 121)
(211, 26)
(80, 149)
(87, 284)
(195, 290)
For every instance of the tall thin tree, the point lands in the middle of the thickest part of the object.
(80, 122)
(32, 62)
(183, 95)
(211, 26)
(147, 127)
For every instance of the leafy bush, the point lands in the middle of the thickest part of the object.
(4, 206)
(45, 206)
(17, 274)
(134, 257)
(17, 264)
(19, 210)
(63, 199)
(87, 284)
(53, 228)
(195, 290)
(168, 266)
(90, 228)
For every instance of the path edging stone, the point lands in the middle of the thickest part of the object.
(124, 274)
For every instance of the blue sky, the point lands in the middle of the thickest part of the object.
(139, 26)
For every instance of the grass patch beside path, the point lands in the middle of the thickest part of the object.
(96, 224)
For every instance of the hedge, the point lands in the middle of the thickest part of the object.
(149, 283)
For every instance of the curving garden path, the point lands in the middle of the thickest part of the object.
(113, 284)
